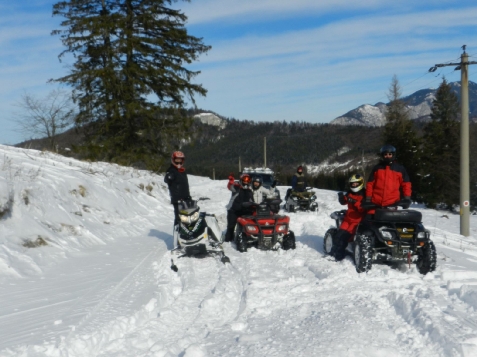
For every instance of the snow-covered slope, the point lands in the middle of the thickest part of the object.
(102, 286)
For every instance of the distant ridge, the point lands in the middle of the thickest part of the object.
(419, 105)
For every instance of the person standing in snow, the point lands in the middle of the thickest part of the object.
(177, 181)
(388, 181)
(353, 216)
(241, 192)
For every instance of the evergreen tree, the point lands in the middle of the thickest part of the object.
(129, 75)
(441, 149)
(399, 132)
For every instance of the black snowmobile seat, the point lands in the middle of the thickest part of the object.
(398, 216)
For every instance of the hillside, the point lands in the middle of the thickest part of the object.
(101, 285)
(288, 145)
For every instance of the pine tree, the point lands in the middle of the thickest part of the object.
(400, 133)
(129, 75)
(441, 148)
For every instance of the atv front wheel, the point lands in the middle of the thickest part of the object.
(328, 240)
(427, 258)
(241, 242)
(289, 241)
(363, 254)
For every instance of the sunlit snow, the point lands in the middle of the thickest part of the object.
(85, 271)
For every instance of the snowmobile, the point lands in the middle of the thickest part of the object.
(263, 229)
(390, 235)
(197, 234)
(301, 201)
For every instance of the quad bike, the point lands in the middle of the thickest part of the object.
(263, 229)
(197, 234)
(301, 201)
(391, 235)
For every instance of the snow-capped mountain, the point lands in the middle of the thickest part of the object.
(419, 105)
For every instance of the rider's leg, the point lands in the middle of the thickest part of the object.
(231, 222)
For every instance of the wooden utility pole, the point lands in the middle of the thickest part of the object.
(213, 173)
(264, 152)
(464, 203)
(240, 164)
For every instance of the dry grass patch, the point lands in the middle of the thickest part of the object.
(39, 242)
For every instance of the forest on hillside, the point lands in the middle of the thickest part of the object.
(288, 144)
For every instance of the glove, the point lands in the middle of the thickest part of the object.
(406, 202)
(231, 178)
(341, 198)
(367, 204)
(170, 176)
(274, 183)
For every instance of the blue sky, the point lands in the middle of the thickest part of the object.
(309, 60)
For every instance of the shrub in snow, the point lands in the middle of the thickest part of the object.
(40, 241)
(6, 198)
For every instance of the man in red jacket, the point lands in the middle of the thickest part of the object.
(354, 215)
(388, 180)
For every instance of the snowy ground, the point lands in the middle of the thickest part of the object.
(84, 271)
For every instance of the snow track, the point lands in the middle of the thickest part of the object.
(104, 287)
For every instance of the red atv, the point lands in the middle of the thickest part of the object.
(263, 229)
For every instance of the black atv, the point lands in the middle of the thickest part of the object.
(301, 201)
(389, 235)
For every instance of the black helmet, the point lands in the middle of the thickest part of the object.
(256, 179)
(388, 149)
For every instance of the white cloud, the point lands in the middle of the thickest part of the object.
(247, 10)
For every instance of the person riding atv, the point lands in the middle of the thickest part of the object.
(299, 197)
(352, 217)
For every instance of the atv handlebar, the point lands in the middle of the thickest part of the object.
(404, 203)
(268, 202)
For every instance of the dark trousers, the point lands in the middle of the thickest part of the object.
(340, 242)
(231, 222)
(176, 213)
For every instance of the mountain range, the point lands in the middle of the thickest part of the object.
(419, 105)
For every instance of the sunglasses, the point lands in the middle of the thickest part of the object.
(178, 161)
(388, 154)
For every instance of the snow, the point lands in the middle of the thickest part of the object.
(102, 285)
(211, 119)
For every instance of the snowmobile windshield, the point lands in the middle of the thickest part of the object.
(266, 179)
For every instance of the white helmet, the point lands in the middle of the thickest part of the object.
(356, 182)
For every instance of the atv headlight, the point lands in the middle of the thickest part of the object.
(421, 235)
(313, 197)
(282, 228)
(251, 229)
(386, 234)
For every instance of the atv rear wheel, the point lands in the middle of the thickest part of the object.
(289, 241)
(328, 240)
(427, 258)
(363, 253)
(241, 242)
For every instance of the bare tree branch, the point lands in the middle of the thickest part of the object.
(45, 117)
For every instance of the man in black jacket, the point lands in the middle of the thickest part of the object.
(176, 179)
(241, 192)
